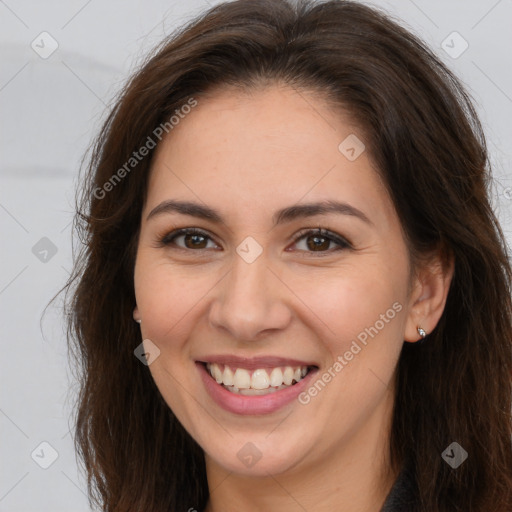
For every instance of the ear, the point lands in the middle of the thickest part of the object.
(428, 297)
(136, 315)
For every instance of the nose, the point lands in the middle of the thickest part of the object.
(250, 301)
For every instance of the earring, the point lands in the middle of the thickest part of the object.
(138, 320)
(422, 332)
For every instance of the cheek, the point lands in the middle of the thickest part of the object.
(167, 296)
(360, 320)
(349, 301)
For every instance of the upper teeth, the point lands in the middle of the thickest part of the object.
(260, 378)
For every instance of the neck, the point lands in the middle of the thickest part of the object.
(353, 476)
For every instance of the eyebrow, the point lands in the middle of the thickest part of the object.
(282, 216)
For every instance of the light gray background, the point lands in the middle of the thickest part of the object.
(50, 110)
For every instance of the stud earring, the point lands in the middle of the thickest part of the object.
(138, 320)
(422, 332)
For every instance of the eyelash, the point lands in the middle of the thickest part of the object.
(168, 239)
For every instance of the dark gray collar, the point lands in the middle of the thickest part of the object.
(403, 495)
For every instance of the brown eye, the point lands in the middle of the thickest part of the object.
(318, 241)
(192, 239)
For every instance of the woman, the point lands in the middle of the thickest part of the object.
(259, 374)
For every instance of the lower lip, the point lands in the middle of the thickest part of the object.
(256, 404)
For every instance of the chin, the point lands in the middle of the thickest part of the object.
(260, 455)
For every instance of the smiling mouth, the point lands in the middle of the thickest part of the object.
(260, 381)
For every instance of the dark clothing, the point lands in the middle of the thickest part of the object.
(402, 497)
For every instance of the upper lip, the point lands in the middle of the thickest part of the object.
(254, 363)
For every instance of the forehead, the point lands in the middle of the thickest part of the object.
(262, 150)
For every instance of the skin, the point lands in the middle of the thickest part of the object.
(310, 304)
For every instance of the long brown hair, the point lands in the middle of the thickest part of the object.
(427, 142)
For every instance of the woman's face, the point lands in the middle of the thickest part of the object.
(260, 298)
